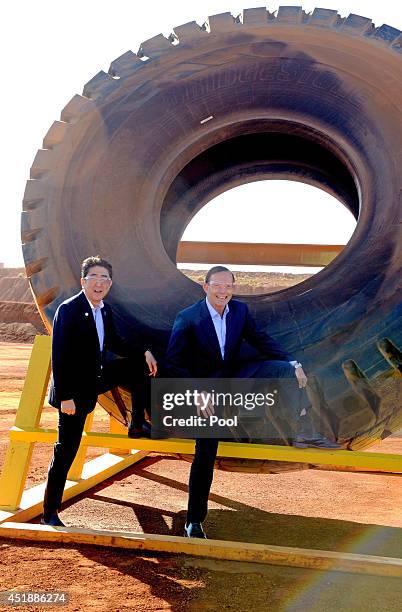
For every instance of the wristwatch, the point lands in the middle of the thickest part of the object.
(298, 365)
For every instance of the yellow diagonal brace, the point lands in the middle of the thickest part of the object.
(95, 471)
(115, 427)
(75, 471)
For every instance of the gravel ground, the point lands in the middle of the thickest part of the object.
(329, 510)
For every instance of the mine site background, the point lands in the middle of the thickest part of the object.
(20, 320)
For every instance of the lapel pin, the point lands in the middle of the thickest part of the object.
(87, 314)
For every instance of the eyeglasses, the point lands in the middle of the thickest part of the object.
(227, 287)
(97, 278)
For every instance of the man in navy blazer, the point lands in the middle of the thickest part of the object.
(84, 340)
(205, 343)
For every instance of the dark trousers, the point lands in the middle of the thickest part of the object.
(128, 373)
(202, 467)
(201, 475)
(70, 430)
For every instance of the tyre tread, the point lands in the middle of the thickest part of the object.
(385, 34)
(43, 162)
(45, 298)
(356, 24)
(125, 65)
(100, 86)
(35, 266)
(322, 17)
(55, 134)
(29, 235)
(188, 32)
(34, 219)
(75, 108)
(290, 15)
(155, 47)
(34, 195)
(221, 22)
(256, 16)
(397, 46)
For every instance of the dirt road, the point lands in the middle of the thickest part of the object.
(342, 511)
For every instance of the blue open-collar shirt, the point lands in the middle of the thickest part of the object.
(219, 324)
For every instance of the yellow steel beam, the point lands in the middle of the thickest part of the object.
(216, 549)
(257, 253)
(379, 461)
(115, 427)
(35, 386)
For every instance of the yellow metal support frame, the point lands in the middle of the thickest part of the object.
(19, 505)
(22, 505)
(252, 253)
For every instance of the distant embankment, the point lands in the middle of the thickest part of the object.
(20, 321)
(19, 318)
(255, 283)
(14, 286)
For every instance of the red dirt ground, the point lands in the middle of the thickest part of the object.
(329, 510)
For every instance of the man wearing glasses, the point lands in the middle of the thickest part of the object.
(83, 341)
(205, 343)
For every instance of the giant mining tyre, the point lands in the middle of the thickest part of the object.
(306, 97)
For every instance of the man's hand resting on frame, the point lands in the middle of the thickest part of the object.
(152, 363)
(68, 407)
(301, 377)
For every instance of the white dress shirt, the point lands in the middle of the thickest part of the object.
(97, 315)
(219, 324)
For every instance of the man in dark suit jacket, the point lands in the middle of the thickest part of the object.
(205, 343)
(84, 340)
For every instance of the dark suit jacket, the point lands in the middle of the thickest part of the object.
(76, 356)
(194, 350)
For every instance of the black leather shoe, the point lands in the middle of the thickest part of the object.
(52, 520)
(140, 432)
(194, 530)
(318, 441)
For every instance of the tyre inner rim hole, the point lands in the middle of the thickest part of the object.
(288, 152)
